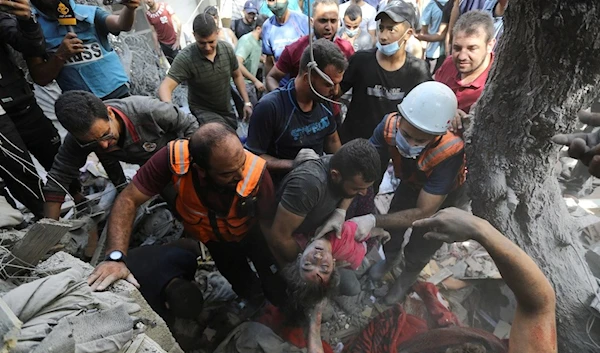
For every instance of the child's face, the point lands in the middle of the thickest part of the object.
(317, 263)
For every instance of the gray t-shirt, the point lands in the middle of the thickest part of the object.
(362, 42)
(306, 192)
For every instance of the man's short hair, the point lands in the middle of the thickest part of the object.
(205, 139)
(304, 295)
(357, 157)
(323, 2)
(260, 20)
(326, 53)
(472, 21)
(212, 10)
(467, 348)
(78, 110)
(204, 25)
(353, 12)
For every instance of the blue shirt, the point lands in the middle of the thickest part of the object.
(293, 5)
(442, 179)
(276, 36)
(279, 128)
(432, 17)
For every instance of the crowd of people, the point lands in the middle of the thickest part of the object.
(296, 195)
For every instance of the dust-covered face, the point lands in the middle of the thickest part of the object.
(317, 263)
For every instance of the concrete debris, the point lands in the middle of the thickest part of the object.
(9, 217)
(502, 330)
(10, 327)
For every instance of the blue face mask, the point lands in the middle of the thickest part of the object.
(351, 32)
(390, 49)
(405, 149)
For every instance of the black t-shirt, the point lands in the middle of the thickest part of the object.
(306, 192)
(279, 128)
(239, 27)
(447, 11)
(376, 92)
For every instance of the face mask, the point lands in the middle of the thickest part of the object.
(390, 49)
(351, 32)
(406, 150)
(278, 9)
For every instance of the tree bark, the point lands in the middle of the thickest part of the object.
(547, 68)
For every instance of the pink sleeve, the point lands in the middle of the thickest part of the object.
(346, 249)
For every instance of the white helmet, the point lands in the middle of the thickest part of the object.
(430, 107)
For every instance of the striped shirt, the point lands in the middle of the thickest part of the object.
(208, 81)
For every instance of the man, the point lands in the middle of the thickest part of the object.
(433, 31)
(369, 12)
(325, 25)
(381, 77)
(167, 27)
(495, 8)
(351, 31)
(292, 118)
(430, 163)
(466, 71)
(248, 53)
(247, 23)
(207, 67)
(23, 126)
(130, 130)
(224, 197)
(318, 192)
(284, 28)
(80, 57)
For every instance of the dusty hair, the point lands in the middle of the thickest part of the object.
(472, 21)
(303, 295)
(467, 348)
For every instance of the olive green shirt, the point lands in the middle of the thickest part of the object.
(208, 81)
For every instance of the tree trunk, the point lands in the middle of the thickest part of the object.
(547, 69)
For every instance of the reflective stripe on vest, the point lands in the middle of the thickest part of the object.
(197, 217)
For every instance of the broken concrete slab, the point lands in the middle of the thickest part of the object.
(143, 344)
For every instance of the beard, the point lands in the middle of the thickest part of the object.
(338, 190)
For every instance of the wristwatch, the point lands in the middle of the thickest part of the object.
(115, 255)
(248, 104)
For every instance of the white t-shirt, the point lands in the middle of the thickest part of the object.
(368, 15)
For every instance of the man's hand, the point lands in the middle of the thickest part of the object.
(365, 225)
(305, 154)
(71, 45)
(247, 112)
(451, 225)
(108, 272)
(19, 8)
(175, 46)
(584, 146)
(461, 119)
(380, 233)
(132, 4)
(259, 86)
(334, 223)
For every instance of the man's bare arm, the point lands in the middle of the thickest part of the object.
(332, 143)
(427, 205)
(166, 88)
(119, 226)
(278, 165)
(273, 78)
(534, 326)
(280, 239)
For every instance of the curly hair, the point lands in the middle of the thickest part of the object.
(467, 348)
(304, 295)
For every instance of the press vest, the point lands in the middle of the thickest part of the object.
(202, 222)
(97, 69)
(446, 147)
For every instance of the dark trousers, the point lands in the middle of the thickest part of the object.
(169, 52)
(418, 251)
(231, 259)
(23, 131)
(434, 64)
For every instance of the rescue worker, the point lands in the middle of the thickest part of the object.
(224, 199)
(430, 162)
(131, 130)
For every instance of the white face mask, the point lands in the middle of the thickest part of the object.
(351, 32)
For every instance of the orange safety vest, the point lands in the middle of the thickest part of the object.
(202, 222)
(447, 146)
